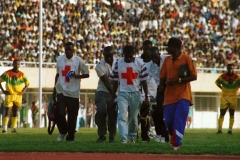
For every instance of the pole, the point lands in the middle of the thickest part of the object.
(40, 61)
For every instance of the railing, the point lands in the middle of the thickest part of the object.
(92, 66)
(35, 64)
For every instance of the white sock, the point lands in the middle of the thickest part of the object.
(5, 128)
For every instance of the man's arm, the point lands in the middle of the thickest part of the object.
(218, 83)
(4, 91)
(80, 76)
(24, 89)
(115, 87)
(162, 85)
(105, 81)
(145, 89)
(219, 86)
(83, 69)
(54, 89)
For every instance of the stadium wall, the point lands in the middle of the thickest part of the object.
(204, 83)
(206, 94)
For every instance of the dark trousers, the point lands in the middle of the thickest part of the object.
(67, 106)
(144, 119)
(145, 125)
(106, 117)
(158, 118)
(44, 117)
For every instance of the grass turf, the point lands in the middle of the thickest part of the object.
(195, 142)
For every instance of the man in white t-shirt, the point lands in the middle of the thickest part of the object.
(70, 69)
(128, 73)
(154, 68)
(103, 98)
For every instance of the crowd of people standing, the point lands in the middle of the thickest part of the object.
(209, 30)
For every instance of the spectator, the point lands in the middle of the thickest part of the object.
(213, 23)
(35, 111)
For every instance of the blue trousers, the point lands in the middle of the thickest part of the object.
(175, 116)
(128, 105)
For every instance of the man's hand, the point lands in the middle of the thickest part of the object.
(172, 81)
(54, 94)
(146, 102)
(6, 92)
(21, 93)
(114, 102)
(113, 105)
(144, 111)
(73, 75)
(160, 88)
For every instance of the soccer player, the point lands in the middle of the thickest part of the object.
(229, 83)
(16, 85)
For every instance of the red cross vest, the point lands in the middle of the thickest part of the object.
(65, 65)
(131, 74)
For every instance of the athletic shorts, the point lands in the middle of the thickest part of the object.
(228, 101)
(11, 100)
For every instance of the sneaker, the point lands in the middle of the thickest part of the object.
(124, 142)
(146, 140)
(175, 148)
(14, 130)
(60, 137)
(71, 140)
(4, 131)
(101, 139)
(151, 134)
(219, 132)
(229, 132)
(157, 138)
(111, 139)
(166, 138)
(131, 141)
(162, 140)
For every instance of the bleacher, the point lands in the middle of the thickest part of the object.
(209, 30)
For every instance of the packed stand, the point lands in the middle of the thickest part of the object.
(209, 30)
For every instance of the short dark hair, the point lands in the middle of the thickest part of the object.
(147, 42)
(69, 44)
(107, 49)
(230, 65)
(16, 60)
(174, 42)
(128, 49)
(154, 49)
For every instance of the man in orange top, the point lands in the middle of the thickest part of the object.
(177, 90)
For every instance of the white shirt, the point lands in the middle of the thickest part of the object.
(153, 75)
(103, 68)
(129, 75)
(70, 87)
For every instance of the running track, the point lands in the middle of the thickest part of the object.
(106, 156)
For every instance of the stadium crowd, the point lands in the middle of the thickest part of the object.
(209, 29)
